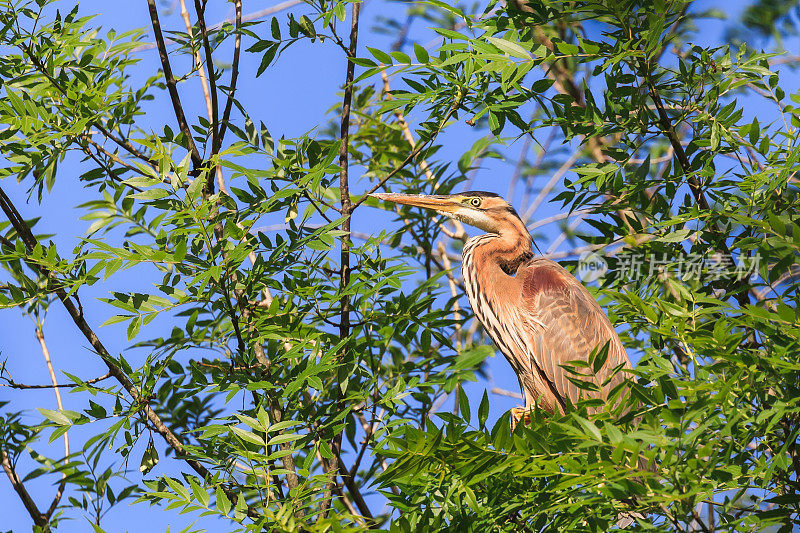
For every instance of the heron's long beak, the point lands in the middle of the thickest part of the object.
(442, 204)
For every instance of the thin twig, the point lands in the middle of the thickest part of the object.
(554, 179)
(503, 392)
(565, 234)
(448, 269)
(198, 60)
(22, 386)
(460, 233)
(555, 218)
(201, 71)
(512, 184)
(401, 121)
(48, 361)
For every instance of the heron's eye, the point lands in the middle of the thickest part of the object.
(475, 202)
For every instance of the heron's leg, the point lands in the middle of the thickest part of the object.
(520, 413)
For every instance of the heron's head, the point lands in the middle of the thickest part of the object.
(484, 210)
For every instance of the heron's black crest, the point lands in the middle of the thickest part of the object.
(481, 194)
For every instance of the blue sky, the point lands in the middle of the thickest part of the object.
(291, 98)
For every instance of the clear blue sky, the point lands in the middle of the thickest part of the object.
(291, 99)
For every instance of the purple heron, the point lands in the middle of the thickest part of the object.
(535, 311)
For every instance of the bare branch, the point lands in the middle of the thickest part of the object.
(14, 385)
(247, 18)
(212, 78)
(54, 381)
(197, 160)
(512, 184)
(201, 71)
(448, 269)
(237, 46)
(401, 121)
(348, 481)
(555, 218)
(334, 464)
(565, 234)
(503, 392)
(554, 179)
(38, 518)
(198, 60)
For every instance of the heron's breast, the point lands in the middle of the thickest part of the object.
(496, 305)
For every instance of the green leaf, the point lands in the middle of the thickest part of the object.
(511, 48)
(676, 235)
(200, 494)
(248, 436)
(280, 439)
(483, 409)
(339, 11)
(307, 27)
(150, 194)
(363, 62)
(589, 427)
(275, 28)
(421, 53)
(755, 132)
(56, 416)
(472, 357)
(463, 403)
(149, 459)
(715, 136)
(223, 503)
(380, 55)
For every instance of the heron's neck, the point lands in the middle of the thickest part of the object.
(506, 250)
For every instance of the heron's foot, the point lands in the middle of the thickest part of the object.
(520, 414)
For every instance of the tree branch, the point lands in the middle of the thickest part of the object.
(276, 412)
(666, 127)
(344, 269)
(237, 45)
(49, 363)
(197, 160)
(212, 79)
(694, 184)
(14, 385)
(354, 490)
(247, 18)
(38, 518)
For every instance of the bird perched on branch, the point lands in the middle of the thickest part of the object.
(539, 316)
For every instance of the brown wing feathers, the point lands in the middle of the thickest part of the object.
(572, 325)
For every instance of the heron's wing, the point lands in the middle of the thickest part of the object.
(565, 324)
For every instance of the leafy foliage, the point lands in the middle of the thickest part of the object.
(302, 371)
